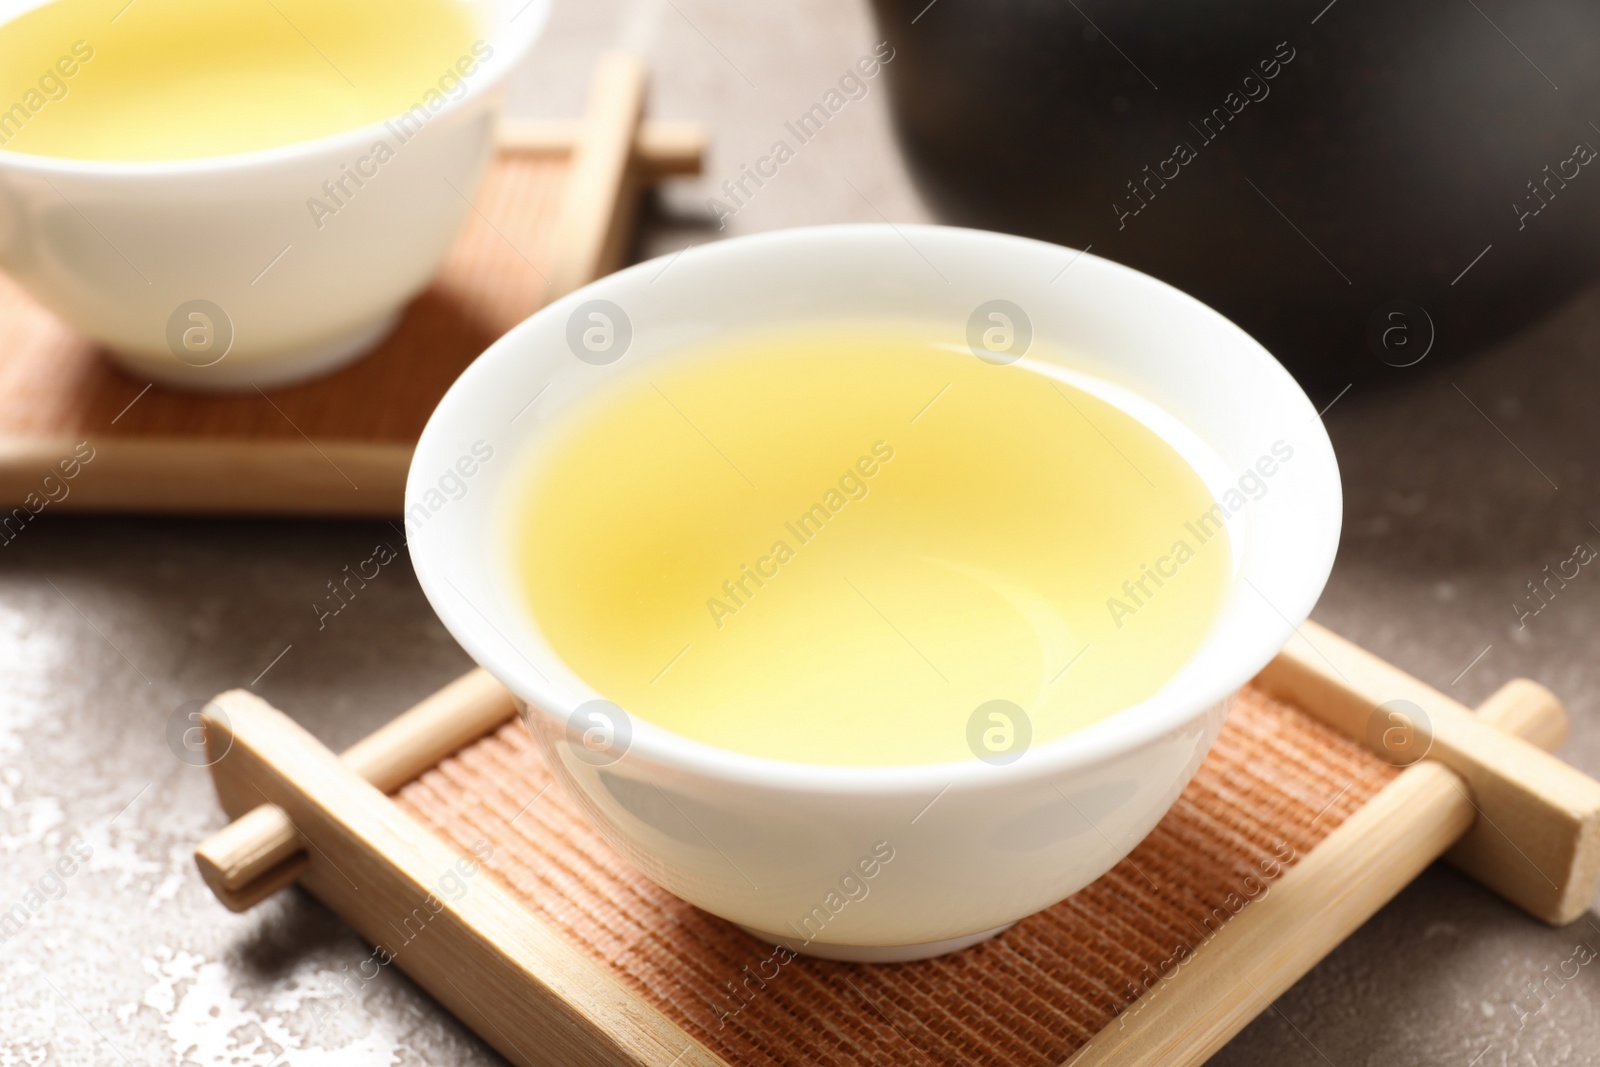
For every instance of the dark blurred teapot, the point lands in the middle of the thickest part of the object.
(1355, 183)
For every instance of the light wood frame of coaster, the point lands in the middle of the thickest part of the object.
(557, 210)
(1487, 795)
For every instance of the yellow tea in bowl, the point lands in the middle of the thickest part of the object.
(189, 79)
(836, 545)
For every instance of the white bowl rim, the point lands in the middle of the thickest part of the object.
(1127, 730)
(329, 144)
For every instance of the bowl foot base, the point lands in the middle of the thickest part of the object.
(877, 953)
(239, 373)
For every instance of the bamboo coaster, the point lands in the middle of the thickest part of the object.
(1290, 836)
(555, 212)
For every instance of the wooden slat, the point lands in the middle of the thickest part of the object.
(1536, 840)
(1270, 945)
(661, 150)
(215, 476)
(482, 955)
(1318, 902)
(260, 852)
(598, 211)
(1528, 710)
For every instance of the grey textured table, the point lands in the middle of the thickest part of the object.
(1462, 484)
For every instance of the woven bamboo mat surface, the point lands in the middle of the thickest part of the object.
(54, 383)
(1274, 785)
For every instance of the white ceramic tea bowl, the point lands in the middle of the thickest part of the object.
(892, 863)
(218, 274)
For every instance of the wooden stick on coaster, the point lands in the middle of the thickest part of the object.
(598, 210)
(1268, 946)
(662, 149)
(260, 852)
(1536, 838)
(478, 951)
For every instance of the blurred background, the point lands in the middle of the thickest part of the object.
(1399, 142)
